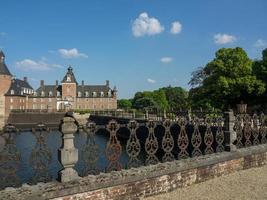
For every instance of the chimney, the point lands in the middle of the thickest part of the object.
(25, 79)
(107, 82)
(82, 82)
(56, 82)
(42, 83)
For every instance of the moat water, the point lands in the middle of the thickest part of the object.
(26, 141)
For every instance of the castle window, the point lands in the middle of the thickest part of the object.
(21, 92)
(58, 93)
(49, 100)
(34, 99)
(11, 100)
(50, 93)
(79, 94)
(94, 94)
(42, 93)
(87, 94)
(12, 91)
(109, 93)
(11, 107)
(68, 78)
(101, 94)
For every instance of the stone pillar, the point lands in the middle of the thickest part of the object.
(68, 154)
(230, 134)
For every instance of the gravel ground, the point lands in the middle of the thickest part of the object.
(248, 184)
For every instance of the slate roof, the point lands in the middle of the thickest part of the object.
(18, 86)
(49, 88)
(3, 68)
(80, 88)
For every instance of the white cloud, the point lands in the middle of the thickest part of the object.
(223, 38)
(176, 27)
(166, 60)
(149, 80)
(260, 43)
(3, 33)
(71, 53)
(145, 25)
(28, 64)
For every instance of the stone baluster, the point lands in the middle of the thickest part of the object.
(68, 154)
(230, 134)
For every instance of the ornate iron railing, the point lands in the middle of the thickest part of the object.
(250, 129)
(114, 146)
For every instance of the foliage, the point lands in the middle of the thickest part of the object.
(124, 104)
(227, 80)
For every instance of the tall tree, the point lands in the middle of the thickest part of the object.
(228, 79)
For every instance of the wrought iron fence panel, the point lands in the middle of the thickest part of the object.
(263, 128)
(196, 139)
(133, 146)
(167, 142)
(219, 135)
(183, 140)
(255, 129)
(151, 144)
(208, 136)
(113, 149)
(41, 156)
(10, 158)
(238, 127)
(90, 150)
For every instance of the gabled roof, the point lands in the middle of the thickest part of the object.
(3, 68)
(18, 86)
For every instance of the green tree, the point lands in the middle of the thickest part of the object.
(227, 80)
(124, 103)
(177, 97)
(260, 70)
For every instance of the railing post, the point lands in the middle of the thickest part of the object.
(230, 134)
(68, 154)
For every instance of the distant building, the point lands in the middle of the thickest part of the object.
(16, 94)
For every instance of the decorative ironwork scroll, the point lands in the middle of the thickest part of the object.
(196, 139)
(239, 130)
(90, 151)
(151, 144)
(247, 130)
(133, 146)
(183, 140)
(167, 142)
(208, 137)
(41, 156)
(219, 135)
(113, 148)
(9, 158)
(255, 130)
(263, 128)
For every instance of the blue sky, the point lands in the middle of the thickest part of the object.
(136, 44)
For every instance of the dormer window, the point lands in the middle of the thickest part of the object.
(68, 78)
(101, 94)
(94, 94)
(87, 94)
(42, 93)
(12, 92)
(50, 93)
(79, 94)
(109, 93)
(58, 93)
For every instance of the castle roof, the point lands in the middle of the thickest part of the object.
(3, 68)
(17, 88)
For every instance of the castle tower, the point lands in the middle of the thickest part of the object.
(5, 82)
(69, 88)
